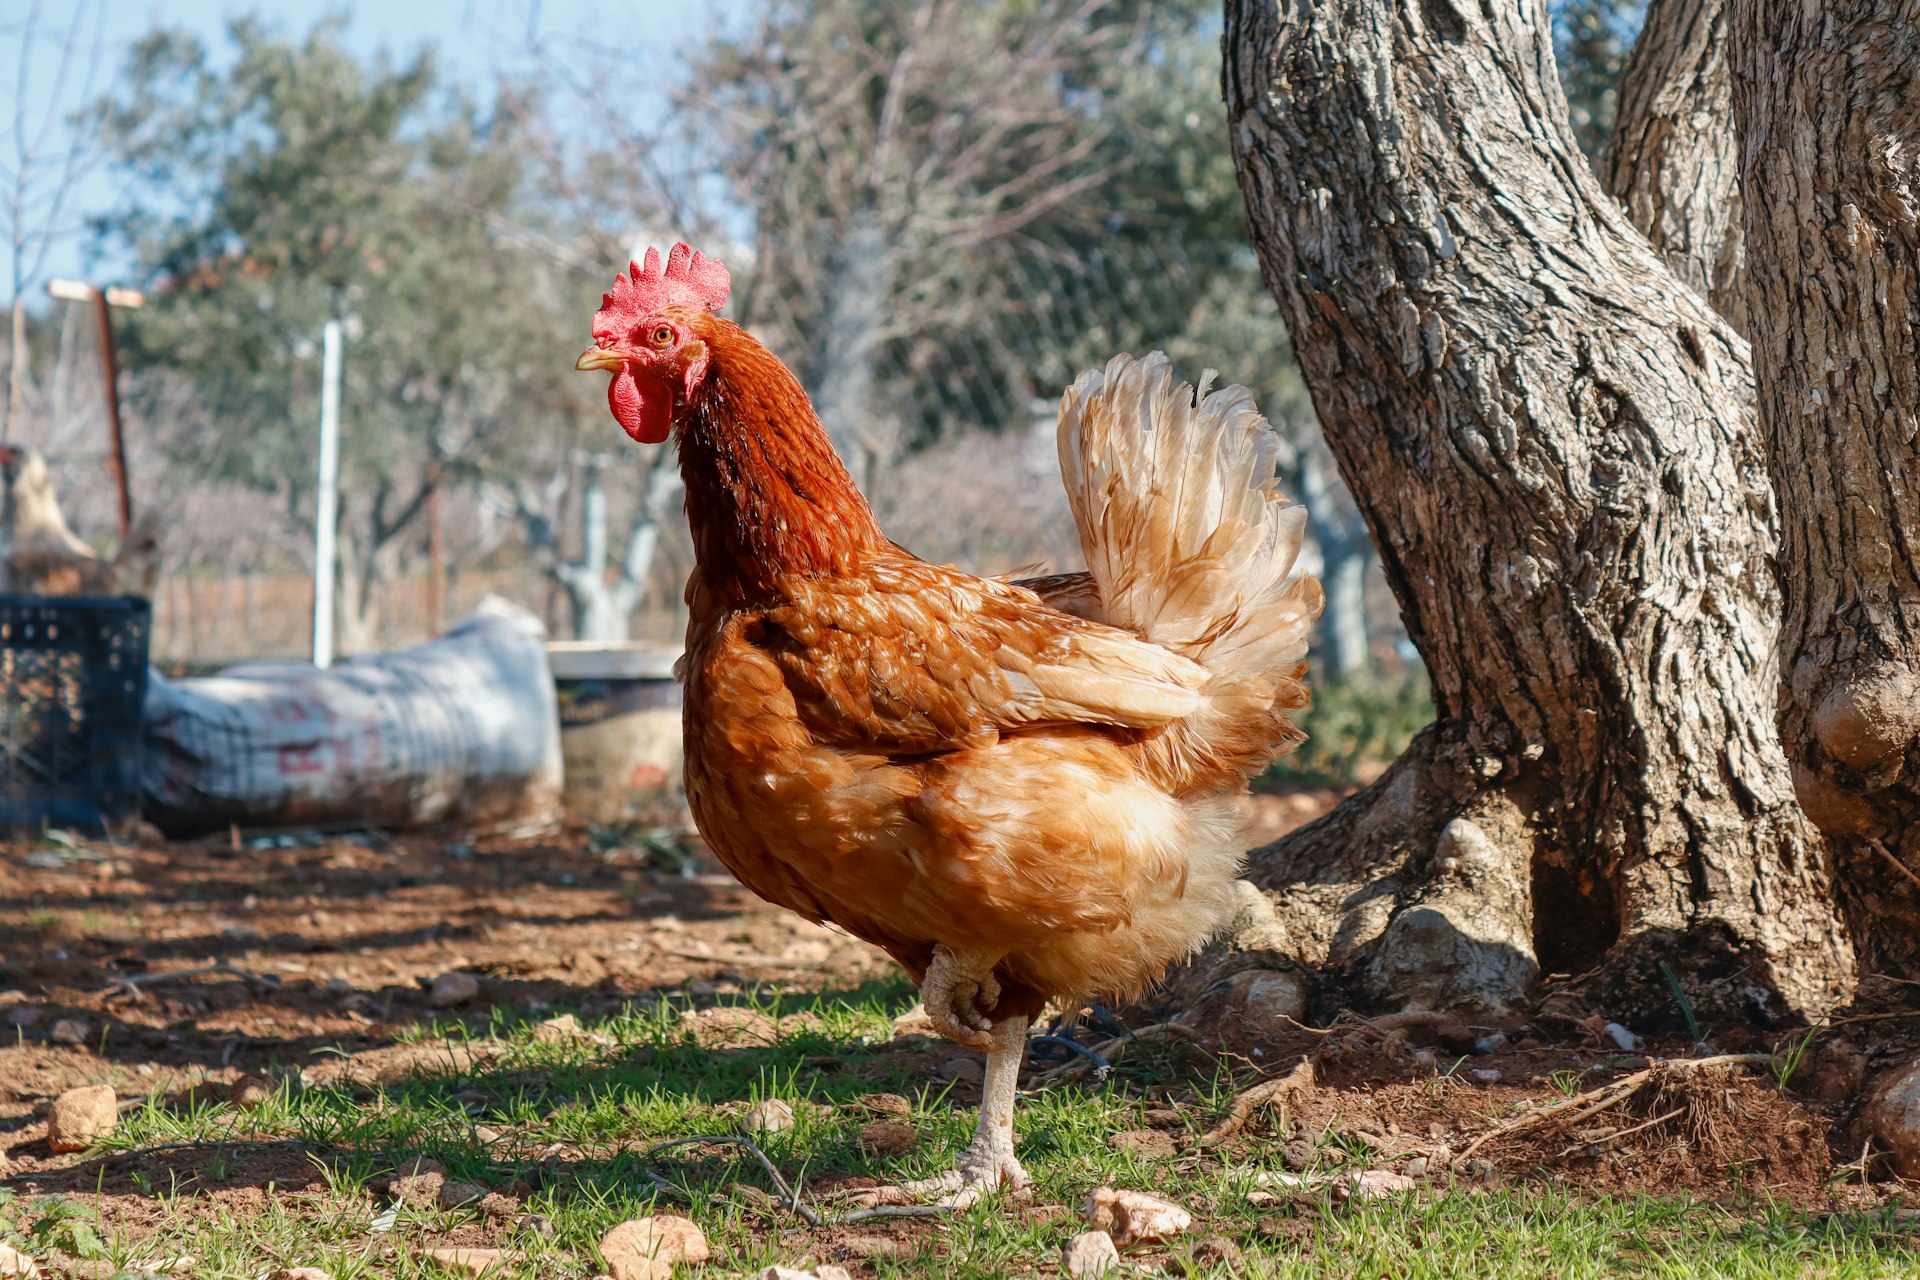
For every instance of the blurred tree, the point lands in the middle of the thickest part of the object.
(958, 207)
(294, 185)
(43, 157)
(1591, 39)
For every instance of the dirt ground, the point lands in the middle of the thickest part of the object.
(318, 954)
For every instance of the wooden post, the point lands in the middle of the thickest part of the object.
(104, 300)
(110, 383)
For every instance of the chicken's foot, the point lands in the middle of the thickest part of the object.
(958, 993)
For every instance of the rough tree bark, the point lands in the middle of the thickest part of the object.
(1671, 160)
(1544, 432)
(1829, 120)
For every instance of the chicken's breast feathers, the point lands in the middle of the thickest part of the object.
(908, 657)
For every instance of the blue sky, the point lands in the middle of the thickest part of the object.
(476, 40)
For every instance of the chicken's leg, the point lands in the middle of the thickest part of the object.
(988, 1162)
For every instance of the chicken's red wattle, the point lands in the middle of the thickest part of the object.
(647, 418)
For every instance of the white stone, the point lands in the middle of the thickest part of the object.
(770, 1116)
(1132, 1217)
(1091, 1253)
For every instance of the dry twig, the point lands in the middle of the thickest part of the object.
(789, 1192)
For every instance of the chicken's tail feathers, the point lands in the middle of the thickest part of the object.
(1193, 546)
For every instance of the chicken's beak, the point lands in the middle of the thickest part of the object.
(599, 358)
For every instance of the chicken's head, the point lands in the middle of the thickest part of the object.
(643, 332)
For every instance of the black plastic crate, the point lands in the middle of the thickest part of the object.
(73, 676)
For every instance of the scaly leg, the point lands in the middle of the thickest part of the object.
(958, 992)
(988, 1162)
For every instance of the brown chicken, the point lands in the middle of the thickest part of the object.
(1022, 791)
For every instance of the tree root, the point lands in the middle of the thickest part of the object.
(1298, 1080)
(1582, 1106)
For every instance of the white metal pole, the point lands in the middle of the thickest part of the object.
(329, 503)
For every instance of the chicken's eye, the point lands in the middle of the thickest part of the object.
(662, 336)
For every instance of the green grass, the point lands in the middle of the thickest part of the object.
(581, 1113)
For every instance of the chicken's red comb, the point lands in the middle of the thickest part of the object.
(688, 279)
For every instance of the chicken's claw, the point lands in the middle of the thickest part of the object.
(959, 991)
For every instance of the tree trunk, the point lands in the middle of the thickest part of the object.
(1547, 437)
(841, 373)
(1345, 553)
(1671, 159)
(1830, 129)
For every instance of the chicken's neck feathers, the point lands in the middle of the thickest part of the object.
(768, 499)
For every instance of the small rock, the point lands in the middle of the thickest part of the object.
(1424, 1057)
(825, 1271)
(1377, 1184)
(1299, 1154)
(647, 1248)
(558, 1029)
(914, 1022)
(498, 1204)
(732, 1027)
(250, 1092)
(770, 1116)
(1215, 1251)
(1132, 1217)
(1091, 1253)
(1252, 1001)
(81, 1117)
(300, 1273)
(486, 1135)
(473, 1262)
(888, 1137)
(1620, 1036)
(887, 1104)
(23, 1016)
(458, 1195)
(1892, 1115)
(884, 1248)
(13, 1263)
(1282, 1229)
(1479, 1169)
(962, 1070)
(450, 989)
(1154, 1144)
(418, 1182)
(1417, 1167)
(70, 1031)
(1487, 1075)
(1455, 1039)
